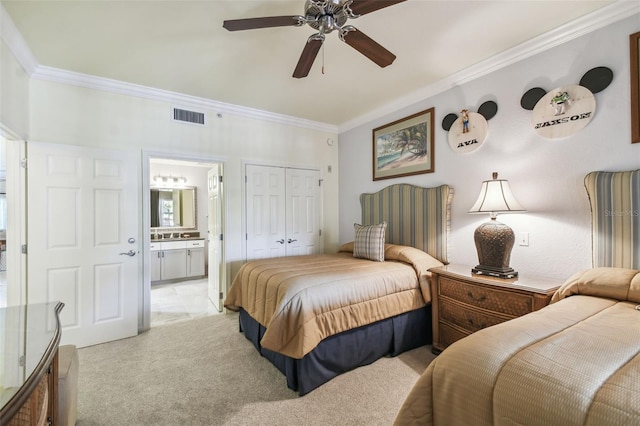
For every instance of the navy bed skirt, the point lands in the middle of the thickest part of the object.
(347, 350)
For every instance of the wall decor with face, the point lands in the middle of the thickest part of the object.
(468, 131)
(565, 110)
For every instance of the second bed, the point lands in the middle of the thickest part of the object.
(317, 316)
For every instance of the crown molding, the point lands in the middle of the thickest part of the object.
(57, 75)
(20, 49)
(15, 42)
(591, 22)
(600, 18)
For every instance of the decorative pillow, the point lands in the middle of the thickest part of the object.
(369, 241)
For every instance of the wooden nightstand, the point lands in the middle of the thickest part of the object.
(463, 303)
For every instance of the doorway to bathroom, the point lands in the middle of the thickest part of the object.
(185, 256)
(3, 223)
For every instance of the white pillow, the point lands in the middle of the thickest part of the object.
(369, 241)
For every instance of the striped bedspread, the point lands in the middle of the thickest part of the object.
(574, 362)
(301, 300)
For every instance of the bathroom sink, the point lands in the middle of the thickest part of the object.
(160, 237)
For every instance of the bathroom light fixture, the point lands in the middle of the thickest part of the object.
(494, 240)
(170, 180)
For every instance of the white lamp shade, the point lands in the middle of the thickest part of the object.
(496, 197)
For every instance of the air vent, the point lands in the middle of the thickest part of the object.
(188, 116)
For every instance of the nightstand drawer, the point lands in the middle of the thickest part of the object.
(449, 335)
(492, 299)
(468, 319)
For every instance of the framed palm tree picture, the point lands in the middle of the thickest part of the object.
(404, 147)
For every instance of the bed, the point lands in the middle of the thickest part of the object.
(574, 362)
(317, 316)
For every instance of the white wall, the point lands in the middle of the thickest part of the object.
(546, 175)
(14, 95)
(79, 116)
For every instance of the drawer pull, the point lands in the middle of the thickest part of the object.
(480, 326)
(477, 299)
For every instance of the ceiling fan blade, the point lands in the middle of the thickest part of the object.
(308, 55)
(266, 22)
(362, 7)
(367, 46)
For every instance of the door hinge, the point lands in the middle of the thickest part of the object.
(220, 295)
(221, 237)
(320, 232)
(23, 163)
(21, 361)
(320, 182)
(220, 178)
(23, 249)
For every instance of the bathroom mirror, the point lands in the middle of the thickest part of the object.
(173, 208)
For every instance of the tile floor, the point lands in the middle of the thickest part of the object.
(180, 301)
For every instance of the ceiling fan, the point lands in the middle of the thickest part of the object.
(326, 16)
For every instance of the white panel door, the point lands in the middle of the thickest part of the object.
(82, 225)
(303, 211)
(265, 207)
(216, 273)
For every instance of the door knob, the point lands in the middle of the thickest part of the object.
(291, 241)
(280, 241)
(130, 253)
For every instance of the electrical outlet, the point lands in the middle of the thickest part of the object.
(523, 239)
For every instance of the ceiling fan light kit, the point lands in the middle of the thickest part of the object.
(325, 17)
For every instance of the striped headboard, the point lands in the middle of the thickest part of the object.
(415, 216)
(615, 218)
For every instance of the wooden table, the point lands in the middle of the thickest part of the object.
(463, 302)
(29, 358)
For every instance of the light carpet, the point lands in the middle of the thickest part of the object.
(205, 372)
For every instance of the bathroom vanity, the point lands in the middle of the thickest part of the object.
(177, 259)
(177, 250)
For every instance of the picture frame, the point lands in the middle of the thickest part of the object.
(404, 147)
(634, 44)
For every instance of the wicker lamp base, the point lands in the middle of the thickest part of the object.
(494, 241)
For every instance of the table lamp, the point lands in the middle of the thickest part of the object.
(494, 240)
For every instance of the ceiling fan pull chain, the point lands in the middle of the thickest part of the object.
(322, 58)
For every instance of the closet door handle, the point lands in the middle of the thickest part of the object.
(280, 241)
(291, 241)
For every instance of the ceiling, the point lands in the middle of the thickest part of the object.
(180, 46)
